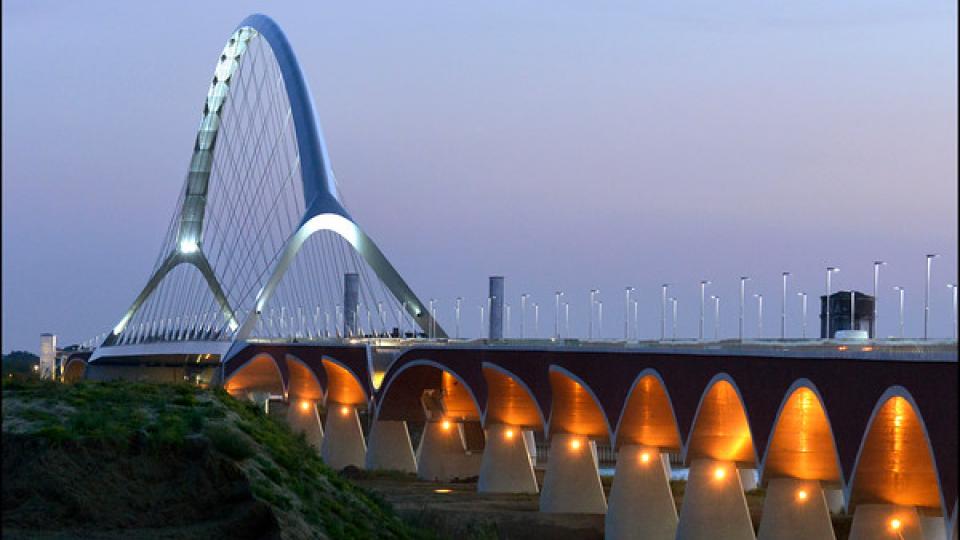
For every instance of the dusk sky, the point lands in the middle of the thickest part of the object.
(564, 145)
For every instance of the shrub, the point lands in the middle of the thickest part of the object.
(230, 442)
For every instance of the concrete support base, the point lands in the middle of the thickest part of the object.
(748, 478)
(343, 442)
(442, 455)
(261, 399)
(505, 466)
(795, 510)
(302, 417)
(572, 481)
(531, 441)
(714, 506)
(641, 504)
(933, 528)
(390, 447)
(835, 500)
(872, 521)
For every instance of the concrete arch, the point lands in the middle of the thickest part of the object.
(721, 427)
(424, 374)
(801, 443)
(647, 417)
(74, 371)
(575, 408)
(343, 384)
(509, 400)
(303, 382)
(895, 462)
(260, 373)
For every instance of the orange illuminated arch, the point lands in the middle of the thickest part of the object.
(303, 383)
(895, 463)
(575, 408)
(343, 385)
(648, 418)
(259, 374)
(720, 429)
(509, 400)
(74, 371)
(802, 444)
(400, 398)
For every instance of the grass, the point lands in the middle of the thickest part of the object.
(283, 469)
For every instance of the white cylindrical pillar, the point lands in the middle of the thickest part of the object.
(302, 417)
(442, 455)
(505, 466)
(714, 506)
(572, 481)
(343, 442)
(390, 448)
(795, 509)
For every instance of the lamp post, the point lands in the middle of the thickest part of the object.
(703, 286)
(566, 319)
(556, 314)
(523, 314)
(900, 290)
(673, 300)
(926, 295)
(759, 298)
(663, 311)
(481, 322)
(626, 314)
(954, 287)
(506, 331)
(593, 294)
(743, 282)
(783, 307)
(636, 320)
(536, 320)
(876, 297)
(803, 314)
(830, 271)
(716, 316)
(599, 319)
(433, 318)
(459, 302)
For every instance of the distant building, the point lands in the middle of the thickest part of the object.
(840, 313)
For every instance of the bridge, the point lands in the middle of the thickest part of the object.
(266, 285)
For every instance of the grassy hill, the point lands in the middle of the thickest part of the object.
(121, 460)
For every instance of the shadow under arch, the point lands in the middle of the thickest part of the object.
(74, 371)
(801, 443)
(261, 373)
(574, 407)
(509, 400)
(302, 382)
(401, 393)
(721, 427)
(343, 385)
(647, 417)
(895, 463)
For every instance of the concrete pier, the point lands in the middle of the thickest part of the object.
(343, 442)
(748, 479)
(302, 417)
(641, 503)
(531, 442)
(873, 521)
(714, 506)
(442, 453)
(572, 481)
(795, 510)
(835, 500)
(505, 465)
(390, 448)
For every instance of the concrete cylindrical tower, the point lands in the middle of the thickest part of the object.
(351, 300)
(496, 307)
(48, 355)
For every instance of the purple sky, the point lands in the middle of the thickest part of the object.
(565, 145)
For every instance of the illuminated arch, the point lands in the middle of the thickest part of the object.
(397, 403)
(258, 374)
(647, 417)
(303, 382)
(895, 463)
(574, 407)
(509, 400)
(721, 430)
(802, 444)
(343, 385)
(74, 371)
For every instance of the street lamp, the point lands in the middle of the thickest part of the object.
(481, 322)
(830, 271)
(593, 294)
(459, 301)
(674, 301)
(926, 295)
(876, 297)
(599, 319)
(626, 314)
(783, 307)
(536, 319)
(523, 314)
(716, 316)
(663, 311)
(954, 287)
(566, 319)
(900, 290)
(506, 332)
(759, 298)
(433, 317)
(803, 314)
(556, 314)
(703, 286)
(636, 320)
(743, 282)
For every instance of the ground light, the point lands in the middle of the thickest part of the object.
(305, 405)
(645, 457)
(344, 410)
(443, 490)
(508, 434)
(802, 495)
(575, 444)
(446, 425)
(719, 473)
